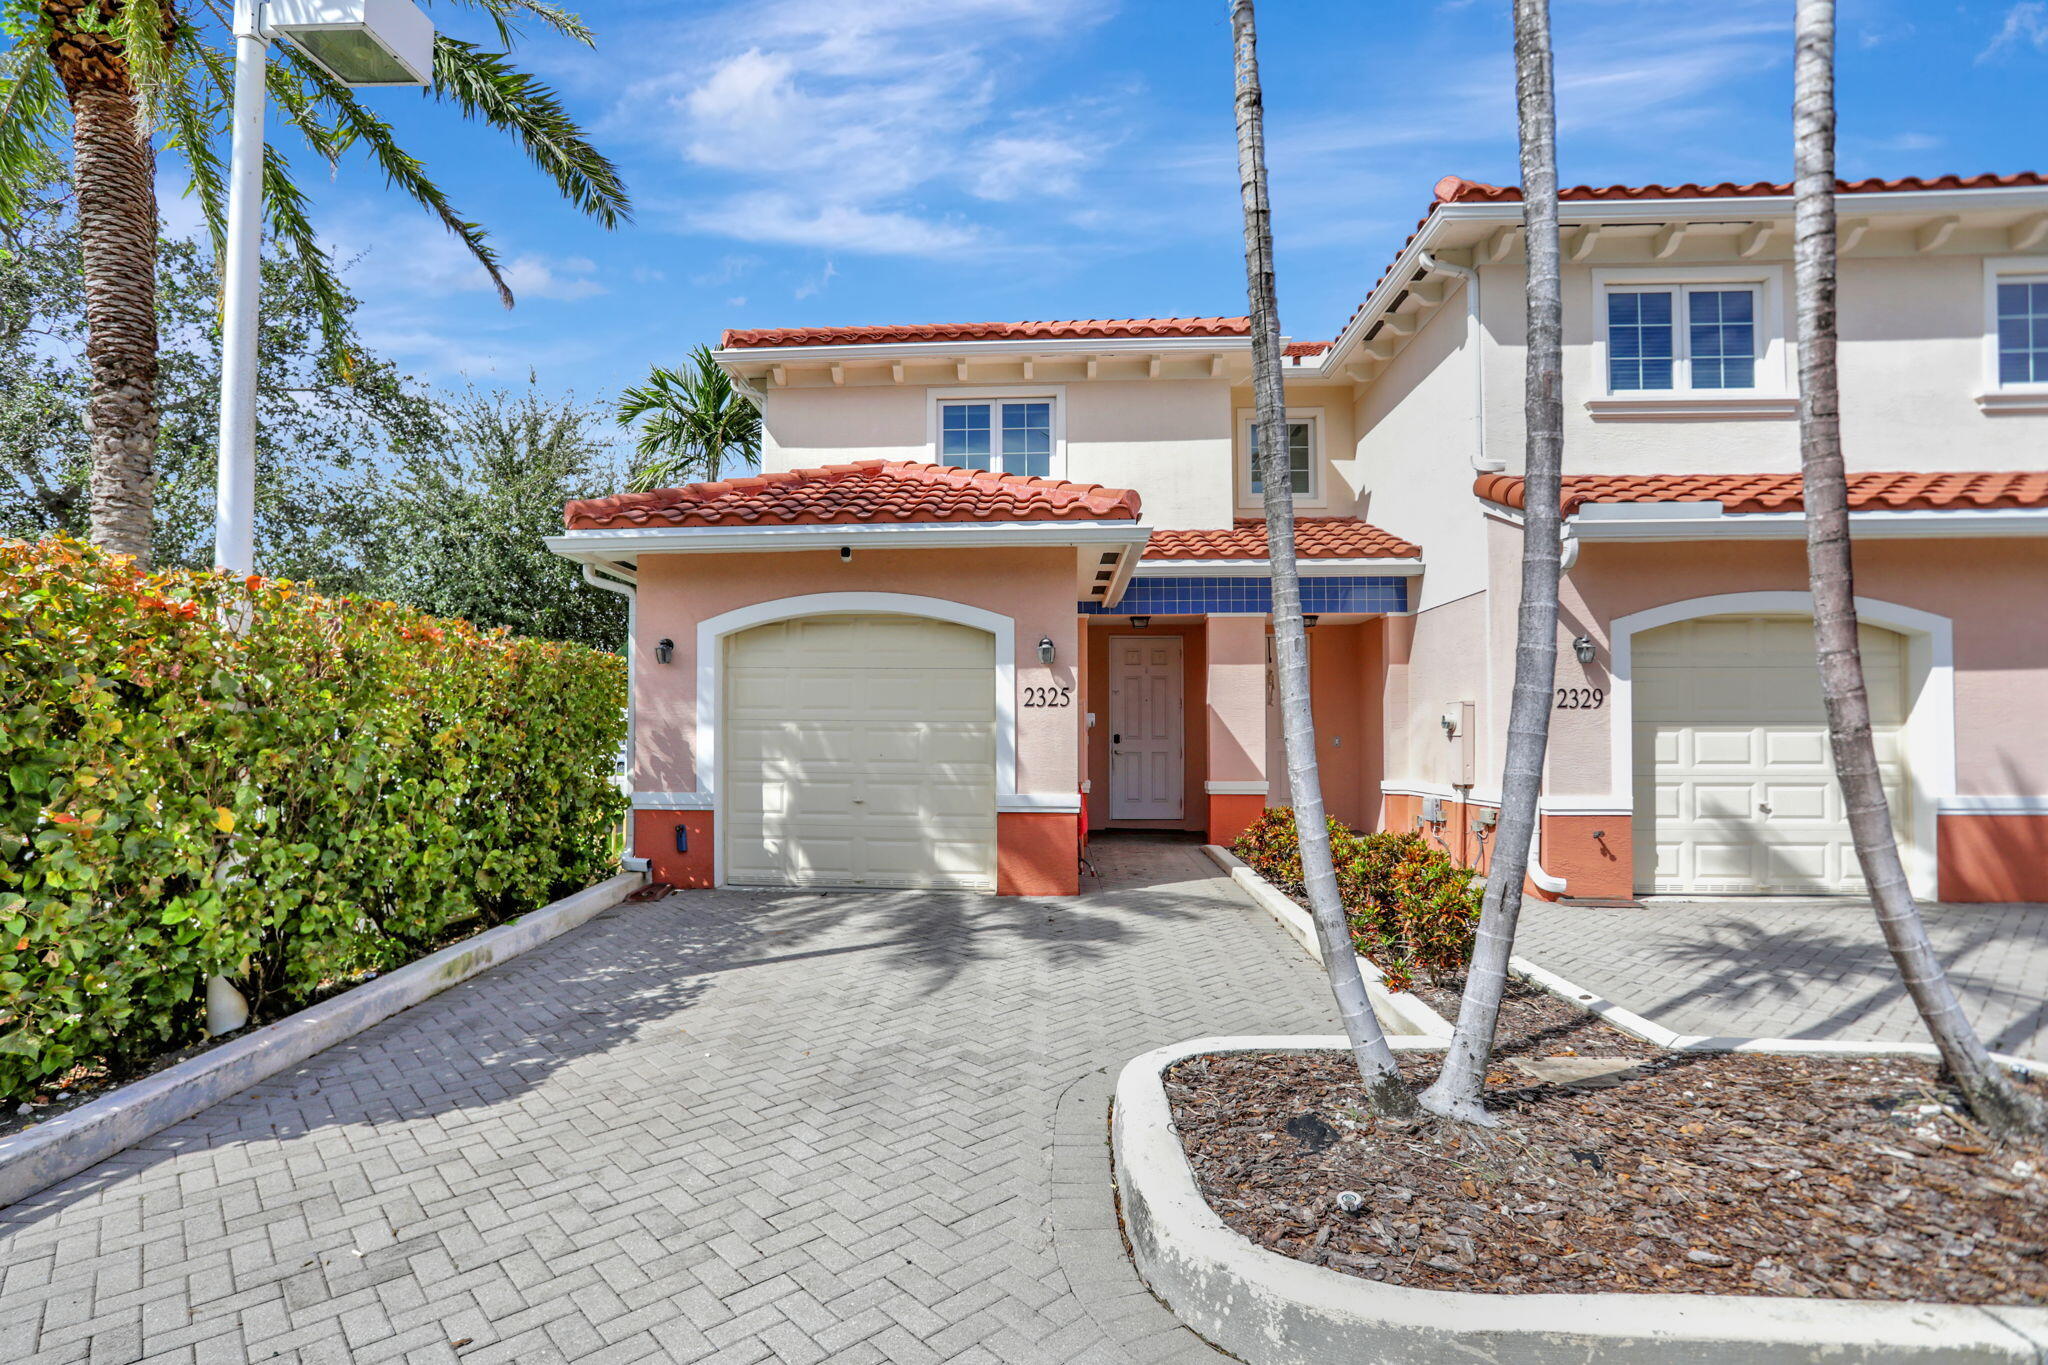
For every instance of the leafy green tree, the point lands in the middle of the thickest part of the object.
(696, 420)
(465, 522)
(322, 439)
(104, 76)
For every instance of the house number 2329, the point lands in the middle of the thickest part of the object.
(1048, 696)
(1580, 698)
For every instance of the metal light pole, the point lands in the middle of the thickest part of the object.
(359, 43)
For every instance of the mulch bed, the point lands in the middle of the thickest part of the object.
(1535, 1023)
(1698, 1174)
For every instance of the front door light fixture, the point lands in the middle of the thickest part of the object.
(358, 42)
(1046, 652)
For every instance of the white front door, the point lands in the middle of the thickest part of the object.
(1735, 790)
(1145, 728)
(860, 750)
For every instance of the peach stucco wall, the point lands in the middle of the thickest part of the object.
(1033, 587)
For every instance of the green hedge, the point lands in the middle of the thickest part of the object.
(334, 788)
(1412, 908)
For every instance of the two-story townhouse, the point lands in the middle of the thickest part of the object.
(1002, 584)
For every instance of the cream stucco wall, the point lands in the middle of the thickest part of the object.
(1033, 587)
(1168, 438)
(1911, 366)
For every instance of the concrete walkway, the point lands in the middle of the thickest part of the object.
(1791, 969)
(733, 1127)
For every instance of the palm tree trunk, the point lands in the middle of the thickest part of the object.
(1385, 1092)
(1991, 1097)
(1457, 1092)
(114, 167)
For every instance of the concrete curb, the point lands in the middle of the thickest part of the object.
(1652, 1032)
(1401, 1014)
(44, 1154)
(1270, 1309)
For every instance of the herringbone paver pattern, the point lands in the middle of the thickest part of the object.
(1783, 969)
(731, 1127)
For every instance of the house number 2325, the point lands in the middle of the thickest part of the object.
(1048, 696)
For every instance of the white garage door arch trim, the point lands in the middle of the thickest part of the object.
(1930, 728)
(712, 630)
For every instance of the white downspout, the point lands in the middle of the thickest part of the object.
(629, 591)
(1481, 463)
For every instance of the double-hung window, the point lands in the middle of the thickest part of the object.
(2021, 316)
(1675, 338)
(1300, 458)
(1008, 435)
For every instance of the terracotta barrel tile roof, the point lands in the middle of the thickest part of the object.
(1314, 538)
(1455, 190)
(1302, 348)
(1076, 329)
(1868, 492)
(866, 491)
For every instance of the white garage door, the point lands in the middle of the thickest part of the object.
(860, 751)
(1734, 784)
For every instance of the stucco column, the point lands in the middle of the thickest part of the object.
(1236, 783)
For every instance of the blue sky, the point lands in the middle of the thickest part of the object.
(856, 161)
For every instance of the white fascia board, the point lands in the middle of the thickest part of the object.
(1694, 210)
(1260, 568)
(946, 350)
(932, 535)
(1685, 521)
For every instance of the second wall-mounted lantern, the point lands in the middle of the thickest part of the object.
(1045, 649)
(665, 652)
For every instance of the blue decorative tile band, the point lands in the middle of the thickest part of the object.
(1200, 596)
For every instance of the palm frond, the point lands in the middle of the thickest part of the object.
(31, 119)
(301, 106)
(147, 31)
(193, 120)
(486, 85)
(505, 13)
(284, 204)
(400, 167)
(695, 421)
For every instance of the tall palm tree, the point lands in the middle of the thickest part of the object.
(1457, 1092)
(697, 419)
(107, 76)
(1385, 1092)
(1997, 1104)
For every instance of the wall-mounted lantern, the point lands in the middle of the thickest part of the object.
(1045, 649)
(1583, 647)
(1140, 622)
(1309, 619)
(665, 652)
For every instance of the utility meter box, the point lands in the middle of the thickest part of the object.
(1463, 764)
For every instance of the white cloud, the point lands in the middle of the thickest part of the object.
(2026, 25)
(835, 124)
(817, 285)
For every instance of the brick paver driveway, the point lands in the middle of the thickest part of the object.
(1788, 969)
(729, 1126)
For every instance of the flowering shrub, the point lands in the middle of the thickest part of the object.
(1411, 907)
(202, 774)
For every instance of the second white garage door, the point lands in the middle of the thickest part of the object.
(1734, 783)
(860, 751)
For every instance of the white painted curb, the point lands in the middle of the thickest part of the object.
(1652, 1032)
(48, 1152)
(1270, 1309)
(1401, 1014)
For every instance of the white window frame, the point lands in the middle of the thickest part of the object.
(1056, 394)
(1997, 397)
(1773, 395)
(1315, 497)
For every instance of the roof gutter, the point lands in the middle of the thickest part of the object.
(620, 545)
(946, 350)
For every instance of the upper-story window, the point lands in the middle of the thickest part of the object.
(1304, 455)
(1008, 435)
(2021, 302)
(1675, 340)
(1681, 338)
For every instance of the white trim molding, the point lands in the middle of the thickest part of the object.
(1740, 406)
(1235, 788)
(699, 800)
(937, 396)
(1243, 420)
(1998, 397)
(1644, 521)
(1043, 803)
(1929, 732)
(711, 633)
(1773, 331)
(916, 535)
(1994, 805)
